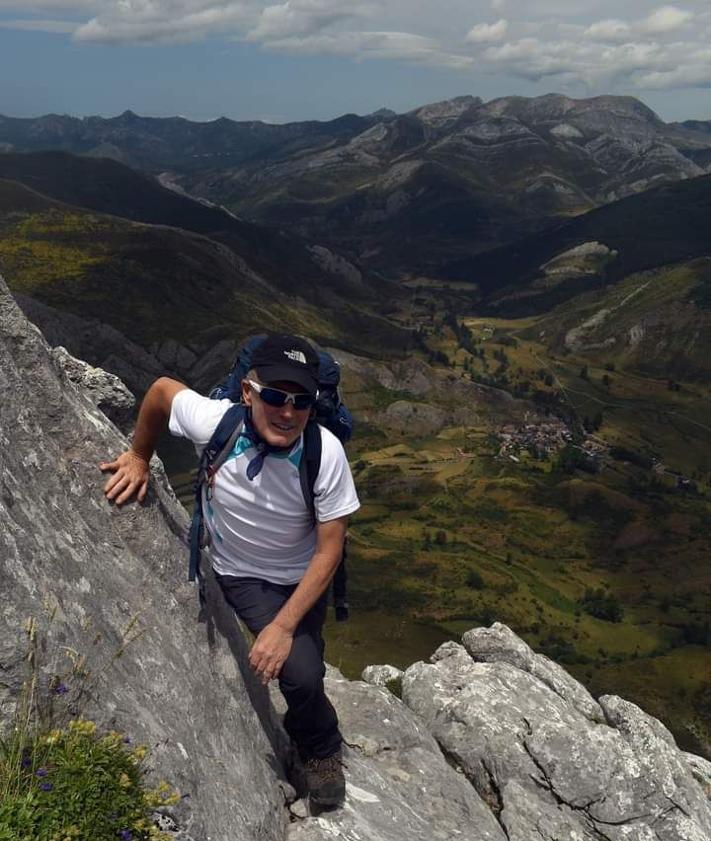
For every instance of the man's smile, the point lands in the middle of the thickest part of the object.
(284, 427)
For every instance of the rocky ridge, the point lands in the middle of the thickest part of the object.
(492, 743)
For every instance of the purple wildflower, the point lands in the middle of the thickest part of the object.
(26, 761)
(41, 772)
(46, 786)
(61, 688)
(125, 834)
(127, 740)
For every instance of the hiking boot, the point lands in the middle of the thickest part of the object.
(325, 780)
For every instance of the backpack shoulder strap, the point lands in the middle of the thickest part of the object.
(310, 464)
(213, 457)
(308, 473)
(226, 432)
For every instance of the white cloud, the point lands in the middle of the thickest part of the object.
(29, 7)
(303, 17)
(484, 33)
(601, 44)
(164, 20)
(363, 45)
(667, 19)
(608, 30)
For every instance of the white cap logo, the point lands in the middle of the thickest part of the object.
(296, 356)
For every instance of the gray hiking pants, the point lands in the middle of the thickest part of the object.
(310, 719)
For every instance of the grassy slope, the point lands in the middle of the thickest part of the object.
(661, 226)
(655, 323)
(109, 187)
(155, 282)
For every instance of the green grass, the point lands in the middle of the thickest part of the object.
(43, 248)
(383, 636)
(73, 783)
(60, 778)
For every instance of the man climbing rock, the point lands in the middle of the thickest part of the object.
(272, 556)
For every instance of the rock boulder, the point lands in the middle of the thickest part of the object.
(537, 750)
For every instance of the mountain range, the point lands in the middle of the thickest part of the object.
(402, 193)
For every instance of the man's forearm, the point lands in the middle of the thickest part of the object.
(153, 416)
(311, 587)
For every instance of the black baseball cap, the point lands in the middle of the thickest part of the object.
(287, 358)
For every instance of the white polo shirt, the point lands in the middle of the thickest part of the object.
(262, 528)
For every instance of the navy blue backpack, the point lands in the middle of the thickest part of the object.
(330, 412)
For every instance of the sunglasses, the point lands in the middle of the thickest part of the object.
(278, 398)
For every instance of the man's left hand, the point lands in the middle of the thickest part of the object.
(270, 650)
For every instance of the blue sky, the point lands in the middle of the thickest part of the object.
(316, 59)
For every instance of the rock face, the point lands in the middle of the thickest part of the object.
(399, 785)
(548, 758)
(492, 743)
(587, 258)
(107, 348)
(176, 687)
(108, 392)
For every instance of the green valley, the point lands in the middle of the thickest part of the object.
(584, 524)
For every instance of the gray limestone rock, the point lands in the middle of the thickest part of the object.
(399, 787)
(499, 644)
(701, 770)
(337, 265)
(380, 675)
(438, 114)
(536, 751)
(587, 258)
(404, 414)
(106, 390)
(100, 570)
(212, 366)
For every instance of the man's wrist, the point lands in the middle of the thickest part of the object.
(134, 453)
(283, 626)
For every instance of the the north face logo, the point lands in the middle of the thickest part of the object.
(296, 356)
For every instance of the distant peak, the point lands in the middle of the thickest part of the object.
(383, 112)
(558, 106)
(446, 109)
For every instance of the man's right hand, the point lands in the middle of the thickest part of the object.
(130, 477)
(130, 470)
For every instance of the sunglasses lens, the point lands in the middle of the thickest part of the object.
(277, 398)
(303, 401)
(273, 397)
